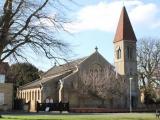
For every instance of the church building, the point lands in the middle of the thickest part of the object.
(92, 82)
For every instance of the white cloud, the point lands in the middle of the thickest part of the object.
(105, 15)
(156, 24)
(144, 14)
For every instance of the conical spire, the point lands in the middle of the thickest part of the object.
(124, 28)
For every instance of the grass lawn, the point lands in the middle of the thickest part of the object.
(116, 116)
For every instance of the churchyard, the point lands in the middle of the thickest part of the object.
(96, 116)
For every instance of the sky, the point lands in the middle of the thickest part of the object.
(94, 24)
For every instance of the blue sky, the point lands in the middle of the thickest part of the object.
(94, 24)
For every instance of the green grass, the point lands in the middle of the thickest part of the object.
(118, 116)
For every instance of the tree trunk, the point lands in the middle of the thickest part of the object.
(5, 26)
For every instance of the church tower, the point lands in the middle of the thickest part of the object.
(125, 53)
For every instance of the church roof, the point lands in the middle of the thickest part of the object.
(61, 72)
(69, 66)
(124, 29)
(41, 81)
(56, 73)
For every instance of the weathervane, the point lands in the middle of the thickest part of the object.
(123, 2)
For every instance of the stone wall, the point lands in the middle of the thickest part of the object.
(6, 90)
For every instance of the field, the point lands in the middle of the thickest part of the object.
(106, 116)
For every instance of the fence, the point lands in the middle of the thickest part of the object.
(144, 108)
(18, 104)
(53, 106)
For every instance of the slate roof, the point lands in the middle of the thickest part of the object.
(39, 82)
(56, 73)
(124, 29)
(65, 67)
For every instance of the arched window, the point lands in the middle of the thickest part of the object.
(32, 95)
(129, 53)
(38, 95)
(25, 95)
(119, 53)
(22, 95)
(35, 92)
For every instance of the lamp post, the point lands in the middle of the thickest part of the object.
(130, 94)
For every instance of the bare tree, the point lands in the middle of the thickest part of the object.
(148, 53)
(102, 82)
(29, 24)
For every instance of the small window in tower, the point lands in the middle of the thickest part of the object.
(119, 53)
(129, 53)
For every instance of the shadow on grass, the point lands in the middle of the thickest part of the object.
(134, 119)
(14, 118)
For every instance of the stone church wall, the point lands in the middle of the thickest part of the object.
(77, 94)
(50, 90)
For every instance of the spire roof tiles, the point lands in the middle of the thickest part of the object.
(124, 28)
